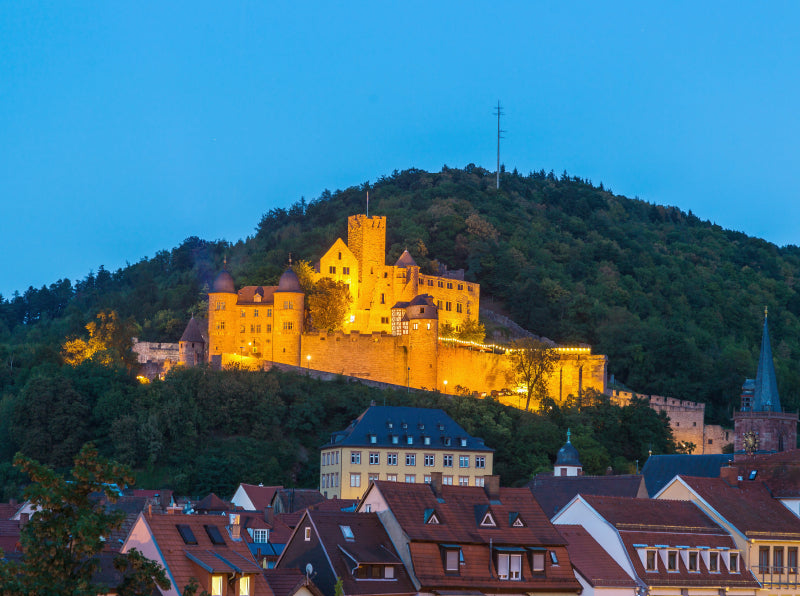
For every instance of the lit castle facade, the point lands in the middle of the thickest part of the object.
(390, 334)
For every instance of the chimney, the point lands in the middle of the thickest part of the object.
(269, 514)
(491, 484)
(436, 483)
(730, 474)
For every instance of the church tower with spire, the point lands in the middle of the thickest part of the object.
(761, 426)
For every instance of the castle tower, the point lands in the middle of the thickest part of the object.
(366, 239)
(423, 335)
(288, 320)
(192, 345)
(221, 318)
(761, 426)
(567, 461)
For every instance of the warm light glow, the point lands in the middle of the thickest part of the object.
(507, 350)
(142, 379)
(308, 357)
(352, 318)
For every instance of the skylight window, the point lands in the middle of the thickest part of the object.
(347, 532)
(214, 534)
(186, 533)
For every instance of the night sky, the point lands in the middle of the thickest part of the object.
(127, 127)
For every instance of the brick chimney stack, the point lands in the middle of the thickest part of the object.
(491, 484)
(436, 483)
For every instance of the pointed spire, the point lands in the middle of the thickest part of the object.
(290, 260)
(765, 398)
(569, 433)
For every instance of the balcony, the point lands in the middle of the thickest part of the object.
(776, 577)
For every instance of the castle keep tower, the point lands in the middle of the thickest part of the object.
(221, 309)
(761, 426)
(288, 324)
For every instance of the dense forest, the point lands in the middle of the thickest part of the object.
(675, 302)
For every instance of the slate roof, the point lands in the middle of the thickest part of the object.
(131, 507)
(261, 496)
(292, 500)
(406, 260)
(224, 283)
(749, 507)
(459, 510)
(554, 492)
(386, 421)
(212, 503)
(289, 282)
(765, 396)
(664, 524)
(189, 560)
(660, 469)
(193, 332)
(370, 545)
(591, 560)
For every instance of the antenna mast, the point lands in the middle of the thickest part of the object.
(498, 112)
(367, 204)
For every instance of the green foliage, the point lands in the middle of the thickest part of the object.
(533, 361)
(471, 330)
(328, 304)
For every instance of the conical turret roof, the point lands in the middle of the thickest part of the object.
(406, 260)
(568, 455)
(193, 333)
(765, 396)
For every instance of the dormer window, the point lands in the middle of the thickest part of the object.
(553, 558)
(441, 426)
(373, 439)
(410, 440)
(463, 442)
(421, 426)
(426, 440)
(694, 564)
(347, 532)
(515, 520)
(389, 424)
(509, 566)
(672, 560)
(452, 558)
(395, 439)
(650, 561)
(447, 441)
(733, 562)
(430, 517)
(488, 521)
(713, 562)
(403, 425)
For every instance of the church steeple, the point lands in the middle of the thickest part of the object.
(765, 397)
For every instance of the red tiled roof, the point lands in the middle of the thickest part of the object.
(779, 471)
(456, 510)
(592, 561)
(652, 515)
(334, 505)
(213, 503)
(293, 500)
(286, 582)
(260, 496)
(749, 507)
(554, 492)
(246, 294)
(174, 550)
(370, 545)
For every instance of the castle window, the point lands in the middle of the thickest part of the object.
(287, 305)
(449, 285)
(258, 328)
(346, 270)
(269, 327)
(428, 326)
(469, 288)
(415, 326)
(422, 310)
(255, 312)
(458, 307)
(430, 282)
(332, 269)
(460, 286)
(252, 328)
(441, 284)
(385, 274)
(448, 306)
(242, 314)
(269, 312)
(340, 256)
(220, 305)
(287, 325)
(384, 320)
(383, 298)
(241, 329)
(438, 304)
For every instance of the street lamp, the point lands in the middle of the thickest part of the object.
(445, 387)
(308, 363)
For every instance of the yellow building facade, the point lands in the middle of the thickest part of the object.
(390, 334)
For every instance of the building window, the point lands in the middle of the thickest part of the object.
(355, 457)
(269, 327)
(216, 585)
(447, 460)
(374, 458)
(258, 328)
(269, 312)
(374, 477)
(332, 270)
(241, 329)
(355, 480)
(447, 480)
(463, 461)
(441, 284)
(651, 560)
(410, 440)
(221, 325)
(458, 307)
(307, 533)
(763, 559)
(287, 325)
(453, 557)
(480, 461)
(537, 561)
(255, 312)
(252, 328)
(693, 561)
(411, 459)
(672, 560)
(411, 478)
(460, 286)
(509, 566)
(244, 586)
(777, 560)
(220, 305)
(791, 559)
(479, 480)
(430, 459)
(415, 326)
(713, 561)
(395, 439)
(345, 270)
(448, 306)
(391, 477)
(426, 479)
(383, 298)
(242, 314)
(463, 481)
(733, 563)
(391, 459)
(384, 320)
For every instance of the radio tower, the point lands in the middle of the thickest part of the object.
(498, 112)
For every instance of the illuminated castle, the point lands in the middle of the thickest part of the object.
(391, 333)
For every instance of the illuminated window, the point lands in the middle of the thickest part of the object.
(216, 585)
(287, 325)
(307, 533)
(244, 586)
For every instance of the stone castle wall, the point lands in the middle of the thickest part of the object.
(777, 431)
(155, 352)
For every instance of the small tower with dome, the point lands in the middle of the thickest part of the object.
(567, 461)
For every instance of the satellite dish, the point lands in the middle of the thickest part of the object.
(309, 569)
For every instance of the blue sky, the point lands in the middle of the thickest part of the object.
(127, 127)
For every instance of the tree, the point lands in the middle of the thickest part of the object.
(328, 304)
(109, 342)
(532, 362)
(473, 331)
(65, 535)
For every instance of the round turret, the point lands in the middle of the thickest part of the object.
(289, 282)
(224, 283)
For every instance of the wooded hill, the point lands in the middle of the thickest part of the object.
(675, 302)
